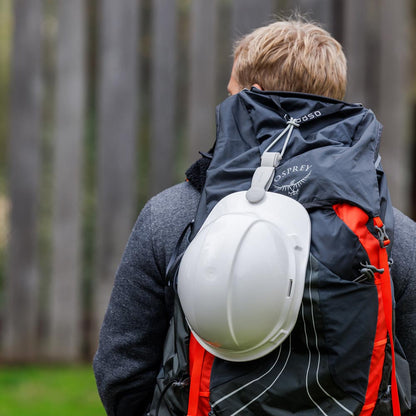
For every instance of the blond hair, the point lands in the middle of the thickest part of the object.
(291, 56)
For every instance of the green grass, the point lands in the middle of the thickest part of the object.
(48, 391)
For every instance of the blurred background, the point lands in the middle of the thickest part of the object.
(104, 103)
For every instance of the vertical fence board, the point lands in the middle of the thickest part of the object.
(65, 292)
(321, 11)
(163, 90)
(372, 11)
(202, 87)
(248, 15)
(117, 130)
(355, 47)
(394, 110)
(21, 314)
(224, 48)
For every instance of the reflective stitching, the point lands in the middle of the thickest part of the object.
(258, 378)
(270, 386)
(309, 363)
(317, 348)
(250, 382)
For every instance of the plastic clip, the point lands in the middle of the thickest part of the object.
(367, 273)
(382, 236)
(263, 176)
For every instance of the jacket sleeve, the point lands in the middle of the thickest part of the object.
(134, 327)
(404, 278)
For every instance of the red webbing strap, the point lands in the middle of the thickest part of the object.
(196, 360)
(356, 219)
(388, 311)
(200, 364)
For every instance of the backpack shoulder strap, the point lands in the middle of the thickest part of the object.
(356, 219)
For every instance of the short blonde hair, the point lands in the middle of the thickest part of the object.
(293, 56)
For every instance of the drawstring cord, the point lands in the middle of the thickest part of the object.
(290, 125)
(264, 174)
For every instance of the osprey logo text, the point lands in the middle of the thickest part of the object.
(291, 179)
(309, 116)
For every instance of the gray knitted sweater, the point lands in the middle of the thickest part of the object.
(135, 325)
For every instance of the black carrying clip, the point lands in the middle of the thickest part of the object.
(382, 236)
(367, 273)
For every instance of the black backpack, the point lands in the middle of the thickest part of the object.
(342, 356)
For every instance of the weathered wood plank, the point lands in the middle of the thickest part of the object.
(20, 340)
(355, 48)
(248, 15)
(65, 292)
(320, 11)
(394, 109)
(202, 86)
(117, 131)
(224, 48)
(164, 99)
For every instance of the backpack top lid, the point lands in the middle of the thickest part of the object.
(331, 156)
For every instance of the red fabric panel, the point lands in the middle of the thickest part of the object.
(200, 364)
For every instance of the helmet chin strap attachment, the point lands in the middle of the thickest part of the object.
(264, 174)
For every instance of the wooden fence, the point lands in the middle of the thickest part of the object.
(109, 102)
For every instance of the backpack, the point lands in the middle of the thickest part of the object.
(342, 356)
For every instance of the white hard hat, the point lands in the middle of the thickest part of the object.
(241, 279)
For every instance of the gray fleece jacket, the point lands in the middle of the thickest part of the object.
(132, 335)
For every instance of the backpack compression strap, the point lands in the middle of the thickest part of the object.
(356, 219)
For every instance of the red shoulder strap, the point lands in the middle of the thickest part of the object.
(356, 219)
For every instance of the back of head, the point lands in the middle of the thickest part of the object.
(293, 56)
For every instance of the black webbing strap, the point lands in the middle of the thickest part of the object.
(176, 257)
